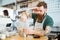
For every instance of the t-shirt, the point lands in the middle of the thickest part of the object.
(48, 21)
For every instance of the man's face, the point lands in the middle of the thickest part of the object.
(40, 10)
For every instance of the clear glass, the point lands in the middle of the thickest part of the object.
(25, 36)
(31, 27)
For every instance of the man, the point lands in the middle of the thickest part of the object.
(40, 17)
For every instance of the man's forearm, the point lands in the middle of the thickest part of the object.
(43, 32)
(39, 33)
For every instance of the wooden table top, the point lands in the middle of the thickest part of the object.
(27, 38)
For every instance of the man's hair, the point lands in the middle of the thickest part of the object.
(6, 12)
(42, 4)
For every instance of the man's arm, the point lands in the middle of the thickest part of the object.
(43, 32)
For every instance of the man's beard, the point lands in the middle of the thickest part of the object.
(40, 17)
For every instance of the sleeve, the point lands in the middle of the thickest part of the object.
(50, 22)
(34, 15)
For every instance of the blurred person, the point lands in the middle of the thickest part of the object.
(24, 22)
(43, 22)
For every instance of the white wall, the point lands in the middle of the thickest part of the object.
(5, 2)
(54, 10)
(0, 2)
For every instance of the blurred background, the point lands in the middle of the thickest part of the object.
(16, 7)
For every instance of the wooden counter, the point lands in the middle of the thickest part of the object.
(22, 38)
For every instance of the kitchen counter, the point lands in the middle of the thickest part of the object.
(17, 37)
